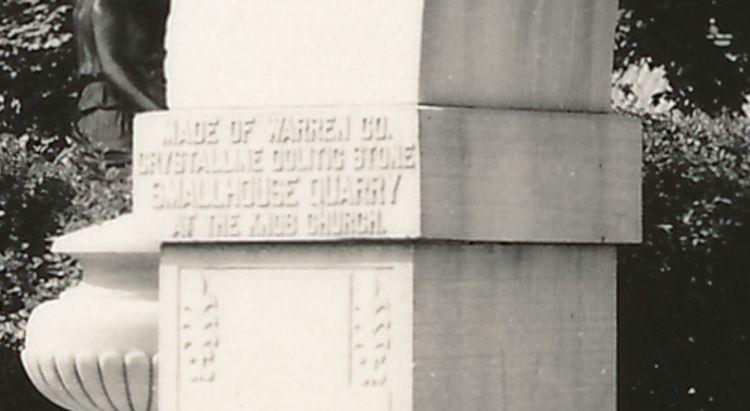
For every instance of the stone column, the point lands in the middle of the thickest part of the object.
(406, 205)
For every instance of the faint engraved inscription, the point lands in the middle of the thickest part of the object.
(371, 337)
(199, 329)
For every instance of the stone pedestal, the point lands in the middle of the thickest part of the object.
(417, 209)
(387, 205)
(395, 258)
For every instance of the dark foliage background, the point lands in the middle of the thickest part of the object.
(703, 44)
(38, 86)
(40, 198)
(683, 294)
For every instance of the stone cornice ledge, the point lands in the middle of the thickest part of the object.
(128, 234)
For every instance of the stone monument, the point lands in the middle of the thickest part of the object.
(386, 206)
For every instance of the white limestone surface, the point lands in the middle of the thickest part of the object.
(313, 329)
(523, 54)
(300, 174)
(247, 53)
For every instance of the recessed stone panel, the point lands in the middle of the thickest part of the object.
(287, 335)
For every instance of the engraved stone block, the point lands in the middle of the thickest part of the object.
(389, 173)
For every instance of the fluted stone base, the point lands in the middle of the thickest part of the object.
(105, 381)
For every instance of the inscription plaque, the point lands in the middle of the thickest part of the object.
(297, 174)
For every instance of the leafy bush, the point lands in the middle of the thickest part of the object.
(40, 198)
(684, 311)
(38, 86)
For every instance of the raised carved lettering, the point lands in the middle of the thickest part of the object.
(261, 175)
